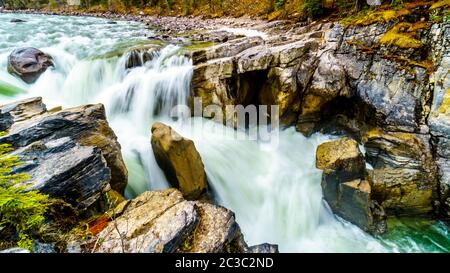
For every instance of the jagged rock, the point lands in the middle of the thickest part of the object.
(216, 229)
(163, 221)
(344, 186)
(248, 71)
(152, 222)
(71, 154)
(28, 63)
(405, 175)
(139, 56)
(179, 160)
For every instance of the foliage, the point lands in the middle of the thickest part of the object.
(313, 8)
(21, 209)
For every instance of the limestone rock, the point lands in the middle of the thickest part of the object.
(179, 160)
(28, 63)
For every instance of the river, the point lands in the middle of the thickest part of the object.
(274, 189)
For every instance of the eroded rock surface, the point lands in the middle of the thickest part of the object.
(180, 160)
(71, 153)
(28, 63)
(163, 221)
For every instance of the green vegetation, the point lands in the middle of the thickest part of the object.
(269, 9)
(21, 210)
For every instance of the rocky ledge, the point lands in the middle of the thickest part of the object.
(384, 84)
(71, 154)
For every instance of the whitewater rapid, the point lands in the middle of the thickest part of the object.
(274, 188)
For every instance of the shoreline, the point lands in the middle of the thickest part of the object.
(166, 24)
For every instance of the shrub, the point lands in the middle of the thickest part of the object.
(313, 8)
(21, 210)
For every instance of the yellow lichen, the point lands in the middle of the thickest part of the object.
(440, 4)
(403, 35)
(371, 17)
(445, 105)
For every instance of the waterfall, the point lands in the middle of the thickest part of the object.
(273, 189)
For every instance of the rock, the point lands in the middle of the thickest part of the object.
(373, 3)
(15, 250)
(43, 248)
(263, 248)
(163, 221)
(152, 222)
(179, 160)
(344, 186)
(341, 156)
(405, 175)
(71, 153)
(28, 63)
(439, 118)
(17, 21)
(139, 56)
(216, 229)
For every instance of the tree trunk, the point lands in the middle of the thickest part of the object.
(358, 5)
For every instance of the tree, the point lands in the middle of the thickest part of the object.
(21, 209)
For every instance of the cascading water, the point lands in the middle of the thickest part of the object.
(273, 189)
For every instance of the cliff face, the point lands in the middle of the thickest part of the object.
(386, 84)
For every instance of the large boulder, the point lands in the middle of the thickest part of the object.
(344, 186)
(69, 153)
(163, 221)
(28, 63)
(180, 161)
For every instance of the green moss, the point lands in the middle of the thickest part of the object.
(198, 45)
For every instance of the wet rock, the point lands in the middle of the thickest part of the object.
(180, 161)
(344, 186)
(17, 21)
(28, 63)
(71, 153)
(139, 56)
